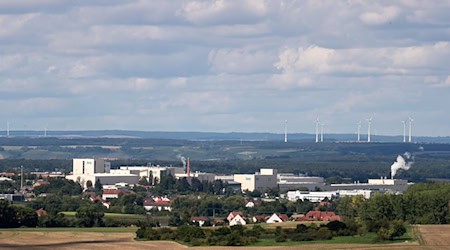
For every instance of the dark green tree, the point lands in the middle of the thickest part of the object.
(89, 216)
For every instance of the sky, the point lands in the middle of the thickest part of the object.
(223, 66)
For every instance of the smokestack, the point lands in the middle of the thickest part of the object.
(188, 168)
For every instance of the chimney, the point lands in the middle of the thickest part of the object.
(188, 168)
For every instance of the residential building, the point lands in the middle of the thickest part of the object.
(201, 220)
(158, 203)
(276, 218)
(233, 214)
(238, 220)
(321, 216)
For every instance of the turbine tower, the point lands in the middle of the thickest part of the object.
(410, 120)
(285, 131)
(359, 131)
(317, 129)
(321, 131)
(404, 131)
(7, 129)
(369, 122)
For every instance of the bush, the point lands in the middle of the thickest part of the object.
(391, 230)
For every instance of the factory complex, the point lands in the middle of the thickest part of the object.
(89, 171)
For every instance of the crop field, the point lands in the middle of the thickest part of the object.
(429, 237)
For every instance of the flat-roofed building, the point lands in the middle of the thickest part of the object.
(290, 182)
(265, 179)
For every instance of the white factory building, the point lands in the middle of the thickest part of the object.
(320, 196)
(153, 173)
(199, 175)
(311, 196)
(91, 170)
(264, 179)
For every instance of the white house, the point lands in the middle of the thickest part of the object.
(277, 218)
(238, 220)
(201, 220)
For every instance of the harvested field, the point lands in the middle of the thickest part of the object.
(430, 237)
(78, 240)
(435, 235)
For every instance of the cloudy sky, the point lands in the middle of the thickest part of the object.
(225, 65)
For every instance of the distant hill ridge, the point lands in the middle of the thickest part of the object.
(216, 136)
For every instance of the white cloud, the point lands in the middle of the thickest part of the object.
(180, 65)
(383, 16)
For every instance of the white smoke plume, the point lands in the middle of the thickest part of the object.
(403, 162)
(183, 160)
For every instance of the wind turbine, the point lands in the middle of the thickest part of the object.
(317, 129)
(369, 122)
(285, 131)
(359, 131)
(404, 131)
(321, 131)
(7, 129)
(410, 120)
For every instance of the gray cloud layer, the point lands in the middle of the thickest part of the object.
(225, 65)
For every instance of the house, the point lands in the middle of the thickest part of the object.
(218, 222)
(41, 212)
(233, 214)
(114, 193)
(201, 220)
(161, 204)
(276, 218)
(321, 216)
(99, 199)
(298, 217)
(259, 219)
(253, 203)
(40, 183)
(237, 220)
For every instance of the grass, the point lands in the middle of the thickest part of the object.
(368, 238)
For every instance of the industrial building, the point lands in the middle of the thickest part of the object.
(288, 182)
(383, 184)
(311, 196)
(154, 173)
(88, 171)
(261, 181)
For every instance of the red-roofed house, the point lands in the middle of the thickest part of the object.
(201, 220)
(321, 216)
(96, 198)
(232, 215)
(276, 218)
(40, 183)
(259, 219)
(158, 203)
(40, 212)
(114, 193)
(238, 220)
